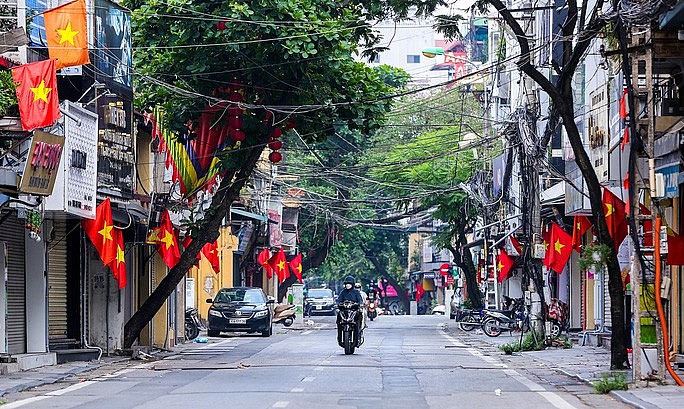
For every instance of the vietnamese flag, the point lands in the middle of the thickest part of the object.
(580, 225)
(210, 251)
(296, 266)
(66, 32)
(263, 258)
(504, 264)
(516, 245)
(614, 211)
(37, 94)
(165, 239)
(278, 264)
(560, 248)
(118, 264)
(100, 232)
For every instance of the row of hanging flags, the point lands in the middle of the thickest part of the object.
(560, 244)
(66, 33)
(277, 263)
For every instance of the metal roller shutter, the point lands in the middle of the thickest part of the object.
(13, 236)
(57, 282)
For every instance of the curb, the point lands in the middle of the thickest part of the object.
(630, 399)
(46, 380)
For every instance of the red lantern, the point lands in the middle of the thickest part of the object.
(235, 122)
(275, 145)
(275, 157)
(237, 135)
(277, 133)
(236, 97)
(221, 25)
(290, 124)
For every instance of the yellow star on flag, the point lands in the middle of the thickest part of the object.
(119, 255)
(299, 268)
(167, 239)
(41, 92)
(546, 245)
(67, 34)
(609, 209)
(558, 246)
(500, 266)
(106, 232)
(579, 226)
(281, 265)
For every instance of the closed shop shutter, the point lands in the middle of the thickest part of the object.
(13, 235)
(57, 282)
(607, 321)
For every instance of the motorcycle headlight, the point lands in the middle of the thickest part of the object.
(261, 314)
(215, 313)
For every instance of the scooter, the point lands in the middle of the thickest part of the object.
(349, 333)
(285, 314)
(193, 325)
(372, 305)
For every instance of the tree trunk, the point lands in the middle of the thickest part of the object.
(464, 260)
(380, 269)
(228, 190)
(618, 341)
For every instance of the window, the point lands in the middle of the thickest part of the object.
(413, 59)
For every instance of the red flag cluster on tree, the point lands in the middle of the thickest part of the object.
(165, 239)
(108, 240)
(615, 213)
(278, 264)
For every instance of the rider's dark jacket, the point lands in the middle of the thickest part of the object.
(350, 295)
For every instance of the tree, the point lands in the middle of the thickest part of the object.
(271, 62)
(580, 26)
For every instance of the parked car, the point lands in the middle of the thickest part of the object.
(320, 301)
(240, 309)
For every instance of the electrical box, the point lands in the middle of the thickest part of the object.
(539, 251)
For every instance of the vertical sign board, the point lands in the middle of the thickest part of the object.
(80, 160)
(298, 301)
(42, 164)
(190, 292)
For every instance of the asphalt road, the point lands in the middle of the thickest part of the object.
(406, 362)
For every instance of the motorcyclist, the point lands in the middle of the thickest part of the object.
(349, 293)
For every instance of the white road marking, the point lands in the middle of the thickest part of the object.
(215, 344)
(71, 388)
(551, 397)
(309, 379)
(319, 368)
(297, 390)
(281, 404)
(23, 402)
(307, 332)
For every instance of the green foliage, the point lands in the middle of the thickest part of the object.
(594, 256)
(8, 95)
(530, 343)
(615, 381)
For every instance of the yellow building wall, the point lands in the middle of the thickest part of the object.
(160, 320)
(207, 282)
(589, 304)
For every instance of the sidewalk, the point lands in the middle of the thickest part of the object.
(588, 364)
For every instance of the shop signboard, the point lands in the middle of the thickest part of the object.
(42, 164)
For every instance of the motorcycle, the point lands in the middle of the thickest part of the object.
(496, 321)
(285, 314)
(559, 317)
(468, 320)
(193, 325)
(372, 312)
(349, 333)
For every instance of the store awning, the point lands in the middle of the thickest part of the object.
(238, 214)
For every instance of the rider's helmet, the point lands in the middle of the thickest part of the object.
(349, 282)
(357, 286)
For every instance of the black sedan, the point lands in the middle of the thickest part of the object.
(240, 309)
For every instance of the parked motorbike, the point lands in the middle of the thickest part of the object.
(193, 325)
(285, 314)
(349, 332)
(559, 317)
(372, 309)
(468, 320)
(496, 321)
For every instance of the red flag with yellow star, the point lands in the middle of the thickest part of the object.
(580, 225)
(165, 239)
(67, 34)
(546, 237)
(263, 258)
(560, 248)
(118, 264)
(614, 211)
(210, 251)
(100, 232)
(505, 265)
(296, 267)
(37, 94)
(279, 265)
